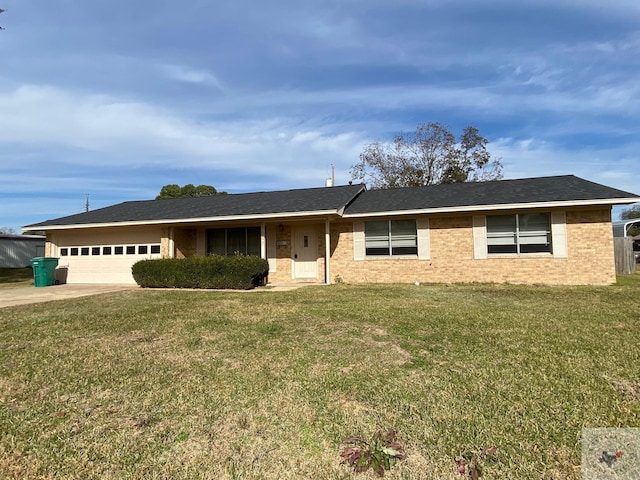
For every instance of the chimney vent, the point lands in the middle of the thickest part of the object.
(331, 182)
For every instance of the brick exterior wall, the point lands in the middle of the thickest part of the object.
(590, 258)
(165, 249)
(284, 263)
(48, 246)
(185, 240)
(283, 256)
(589, 244)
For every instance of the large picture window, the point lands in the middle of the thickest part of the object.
(391, 238)
(234, 241)
(519, 233)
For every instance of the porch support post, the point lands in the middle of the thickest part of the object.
(172, 243)
(327, 252)
(263, 240)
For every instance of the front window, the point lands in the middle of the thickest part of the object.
(519, 233)
(233, 241)
(391, 238)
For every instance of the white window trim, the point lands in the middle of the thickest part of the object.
(358, 241)
(480, 248)
(558, 239)
(424, 238)
(423, 243)
(559, 235)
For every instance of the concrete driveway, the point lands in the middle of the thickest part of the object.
(10, 297)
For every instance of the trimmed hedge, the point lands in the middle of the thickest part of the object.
(217, 271)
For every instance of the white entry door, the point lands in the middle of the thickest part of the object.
(305, 252)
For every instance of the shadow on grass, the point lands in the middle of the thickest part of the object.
(16, 276)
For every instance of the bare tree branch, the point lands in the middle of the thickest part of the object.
(430, 155)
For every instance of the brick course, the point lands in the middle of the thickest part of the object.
(589, 243)
(185, 242)
(283, 256)
(590, 257)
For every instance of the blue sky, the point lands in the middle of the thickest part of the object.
(116, 99)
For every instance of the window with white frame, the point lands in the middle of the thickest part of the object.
(519, 233)
(233, 241)
(391, 238)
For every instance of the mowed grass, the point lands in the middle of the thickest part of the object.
(16, 277)
(266, 385)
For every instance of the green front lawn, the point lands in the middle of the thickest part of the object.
(266, 385)
(16, 277)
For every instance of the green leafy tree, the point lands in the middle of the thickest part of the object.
(189, 190)
(631, 212)
(428, 156)
(169, 191)
(40, 233)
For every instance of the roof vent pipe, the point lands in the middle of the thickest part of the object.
(331, 181)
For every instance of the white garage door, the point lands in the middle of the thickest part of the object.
(104, 263)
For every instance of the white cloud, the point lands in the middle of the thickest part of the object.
(299, 86)
(615, 167)
(135, 133)
(132, 134)
(190, 75)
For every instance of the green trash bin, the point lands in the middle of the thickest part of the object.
(44, 271)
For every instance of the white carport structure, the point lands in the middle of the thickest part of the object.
(621, 228)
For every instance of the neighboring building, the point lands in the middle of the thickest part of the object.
(621, 228)
(16, 251)
(553, 230)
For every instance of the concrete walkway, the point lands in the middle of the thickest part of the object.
(10, 297)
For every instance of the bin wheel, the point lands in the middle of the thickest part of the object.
(57, 282)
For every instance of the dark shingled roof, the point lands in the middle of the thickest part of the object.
(244, 204)
(355, 198)
(499, 192)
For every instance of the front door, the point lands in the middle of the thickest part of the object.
(305, 252)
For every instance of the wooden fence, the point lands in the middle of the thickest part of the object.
(625, 260)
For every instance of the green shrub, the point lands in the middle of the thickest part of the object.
(234, 272)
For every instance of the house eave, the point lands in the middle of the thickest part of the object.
(340, 213)
(183, 221)
(497, 207)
